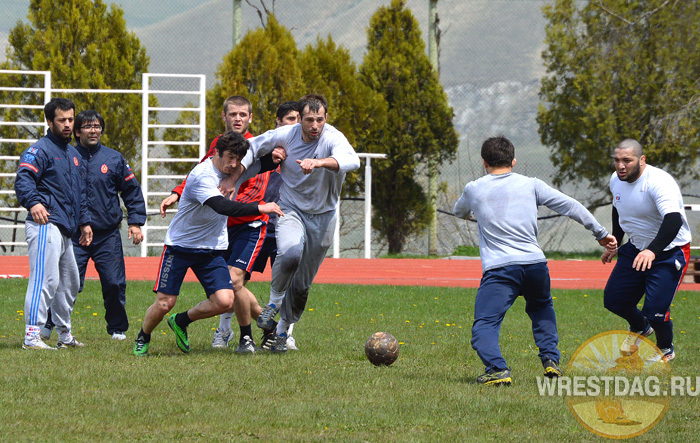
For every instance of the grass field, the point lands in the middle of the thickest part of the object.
(327, 391)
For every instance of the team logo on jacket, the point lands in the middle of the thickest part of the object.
(104, 169)
(75, 161)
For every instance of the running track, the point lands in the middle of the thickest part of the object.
(568, 274)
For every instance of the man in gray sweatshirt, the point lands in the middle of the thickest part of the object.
(505, 205)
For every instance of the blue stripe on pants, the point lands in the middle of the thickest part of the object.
(38, 275)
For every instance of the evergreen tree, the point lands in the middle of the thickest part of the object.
(355, 109)
(85, 45)
(419, 122)
(263, 68)
(620, 70)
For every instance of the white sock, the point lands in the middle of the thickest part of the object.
(282, 327)
(225, 321)
(289, 331)
(65, 337)
(276, 298)
(31, 332)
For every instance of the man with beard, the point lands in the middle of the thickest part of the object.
(648, 206)
(318, 157)
(108, 177)
(49, 184)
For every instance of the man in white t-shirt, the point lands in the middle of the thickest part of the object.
(648, 206)
(196, 239)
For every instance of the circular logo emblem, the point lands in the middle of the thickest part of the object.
(104, 169)
(75, 161)
(619, 384)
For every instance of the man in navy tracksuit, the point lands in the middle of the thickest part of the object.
(49, 184)
(108, 175)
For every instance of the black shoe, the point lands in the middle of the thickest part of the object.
(495, 377)
(268, 340)
(551, 369)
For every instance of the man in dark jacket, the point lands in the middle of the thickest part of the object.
(108, 176)
(49, 184)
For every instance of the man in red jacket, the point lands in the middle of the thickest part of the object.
(246, 234)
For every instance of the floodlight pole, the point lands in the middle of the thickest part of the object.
(237, 21)
(432, 164)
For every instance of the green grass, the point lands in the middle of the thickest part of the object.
(327, 391)
(473, 251)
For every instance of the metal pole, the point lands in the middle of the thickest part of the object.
(144, 153)
(432, 164)
(237, 21)
(368, 208)
(336, 233)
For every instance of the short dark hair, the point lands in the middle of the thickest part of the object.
(234, 142)
(285, 108)
(498, 151)
(314, 102)
(630, 143)
(87, 117)
(63, 104)
(237, 100)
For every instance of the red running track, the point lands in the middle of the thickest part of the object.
(565, 274)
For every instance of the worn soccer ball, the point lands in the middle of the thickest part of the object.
(382, 349)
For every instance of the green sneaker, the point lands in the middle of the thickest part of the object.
(181, 335)
(494, 377)
(141, 347)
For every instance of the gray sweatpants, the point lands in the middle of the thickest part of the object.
(53, 278)
(302, 242)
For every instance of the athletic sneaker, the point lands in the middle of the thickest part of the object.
(668, 353)
(291, 344)
(180, 335)
(551, 368)
(494, 377)
(222, 338)
(266, 319)
(45, 332)
(141, 347)
(634, 340)
(268, 340)
(119, 336)
(36, 343)
(280, 344)
(246, 346)
(71, 343)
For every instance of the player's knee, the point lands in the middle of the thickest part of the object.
(223, 302)
(289, 262)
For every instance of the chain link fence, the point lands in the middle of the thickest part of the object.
(490, 67)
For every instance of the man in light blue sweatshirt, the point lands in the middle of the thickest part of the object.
(505, 205)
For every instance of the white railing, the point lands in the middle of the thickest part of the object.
(367, 211)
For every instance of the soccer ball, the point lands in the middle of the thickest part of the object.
(382, 349)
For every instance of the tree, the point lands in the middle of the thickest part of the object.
(419, 122)
(620, 70)
(85, 46)
(262, 67)
(354, 109)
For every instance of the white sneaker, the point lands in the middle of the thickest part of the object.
(222, 338)
(631, 343)
(70, 343)
(291, 344)
(36, 343)
(119, 336)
